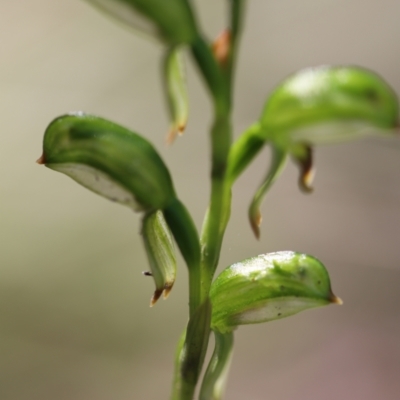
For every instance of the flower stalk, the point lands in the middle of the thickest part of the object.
(314, 106)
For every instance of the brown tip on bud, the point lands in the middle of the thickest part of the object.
(255, 222)
(222, 47)
(307, 172)
(335, 300)
(306, 180)
(156, 296)
(41, 160)
(171, 135)
(181, 129)
(167, 290)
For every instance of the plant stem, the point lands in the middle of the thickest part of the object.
(220, 84)
(217, 371)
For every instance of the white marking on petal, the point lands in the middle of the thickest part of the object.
(98, 182)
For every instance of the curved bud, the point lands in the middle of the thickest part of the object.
(109, 160)
(171, 21)
(160, 252)
(277, 164)
(267, 287)
(176, 92)
(244, 150)
(328, 105)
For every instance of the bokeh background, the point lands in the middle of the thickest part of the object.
(74, 317)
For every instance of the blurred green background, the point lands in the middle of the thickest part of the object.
(75, 322)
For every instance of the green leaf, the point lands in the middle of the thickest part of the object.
(176, 92)
(172, 20)
(160, 252)
(109, 160)
(329, 105)
(268, 287)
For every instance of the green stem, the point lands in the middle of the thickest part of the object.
(217, 371)
(219, 210)
(191, 352)
(212, 74)
(219, 82)
(186, 236)
(236, 22)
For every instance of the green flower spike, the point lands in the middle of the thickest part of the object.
(322, 105)
(171, 21)
(176, 92)
(160, 253)
(267, 287)
(122, 166)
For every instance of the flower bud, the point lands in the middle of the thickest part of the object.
(170, 20)
(320, 105)
(267, 287)
(329, 105)
(176, 92)
(160, 252)
(109, 160)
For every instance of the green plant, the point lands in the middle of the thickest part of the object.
(316, 105)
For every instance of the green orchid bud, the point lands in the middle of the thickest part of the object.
(329, 105)
(170, 20)
(122, 166)
(109, 160)
(160, 252)
(176, 92)
(268, 287)
(320, 105)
